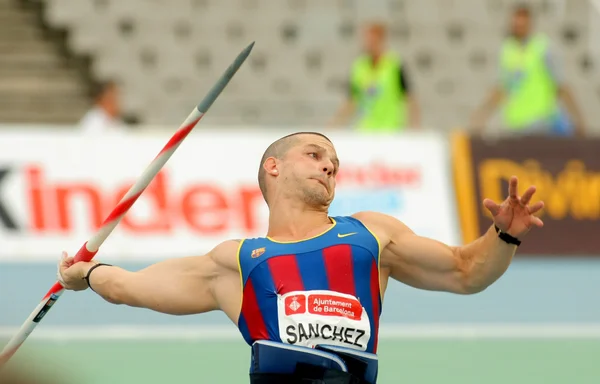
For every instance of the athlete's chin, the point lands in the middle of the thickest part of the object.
(317, 199)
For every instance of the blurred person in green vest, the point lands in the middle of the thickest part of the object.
(380, 96)
(531, 86)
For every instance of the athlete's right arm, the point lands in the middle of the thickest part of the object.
(178, 286)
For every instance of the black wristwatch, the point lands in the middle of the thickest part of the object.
(506, 237)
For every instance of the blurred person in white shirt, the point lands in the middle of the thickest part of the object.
(105, 115)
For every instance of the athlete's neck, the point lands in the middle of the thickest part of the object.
(297, 224)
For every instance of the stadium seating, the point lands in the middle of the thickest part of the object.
(37, 83)
(166, 53)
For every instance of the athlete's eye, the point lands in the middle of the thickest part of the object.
(313, 154)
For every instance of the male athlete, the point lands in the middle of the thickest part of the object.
(307, 297)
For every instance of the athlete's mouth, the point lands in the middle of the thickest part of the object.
(322, 183)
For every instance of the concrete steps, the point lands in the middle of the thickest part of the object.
(37, 83)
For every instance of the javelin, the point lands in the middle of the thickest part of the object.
(90, 248)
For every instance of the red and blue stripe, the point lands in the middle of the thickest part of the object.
(350, 269)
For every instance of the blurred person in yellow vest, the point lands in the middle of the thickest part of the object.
(380, 96)
(531, 85)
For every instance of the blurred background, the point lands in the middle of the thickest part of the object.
(432, 106)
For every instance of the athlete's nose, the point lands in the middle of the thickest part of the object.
(329, 167)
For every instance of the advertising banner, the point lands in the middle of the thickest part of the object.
(566, 173)
(56, 188)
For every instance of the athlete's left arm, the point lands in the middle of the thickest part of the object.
(429, 264)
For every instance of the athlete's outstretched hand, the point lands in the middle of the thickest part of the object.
(515, 216)
(71, 275)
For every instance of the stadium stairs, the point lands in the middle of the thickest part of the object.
(40, 80)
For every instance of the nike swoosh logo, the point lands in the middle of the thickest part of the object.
(346, 234)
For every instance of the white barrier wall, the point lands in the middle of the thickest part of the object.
(56, 187)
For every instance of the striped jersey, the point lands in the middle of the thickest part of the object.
(322, 290)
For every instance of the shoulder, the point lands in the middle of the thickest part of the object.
(392, 56)
(94, 116)
(226, 253)
(541, 38)
(374, 218)
(228, 246)
(546, 46)
(508, 45)
(382, 225)
(360, 61)
(360, 58)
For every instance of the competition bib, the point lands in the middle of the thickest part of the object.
(309, 318)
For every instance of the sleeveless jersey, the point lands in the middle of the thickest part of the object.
(322, 290)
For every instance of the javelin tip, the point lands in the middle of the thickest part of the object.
(243, 56)
(222, 82)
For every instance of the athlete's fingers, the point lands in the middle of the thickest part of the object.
(63, 259)
(527, 195)
(512, 188)
(65, 262)
(61, 267)
(536, 207)
(537, 222)
(491, 206)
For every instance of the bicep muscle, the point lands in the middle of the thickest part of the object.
(417, 261)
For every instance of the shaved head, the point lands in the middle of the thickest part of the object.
(278, 149)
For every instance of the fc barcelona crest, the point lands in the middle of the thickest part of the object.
(257, 252)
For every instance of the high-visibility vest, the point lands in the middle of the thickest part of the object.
(380, 101)
(531, 94)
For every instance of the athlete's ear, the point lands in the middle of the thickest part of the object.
(270, 166)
